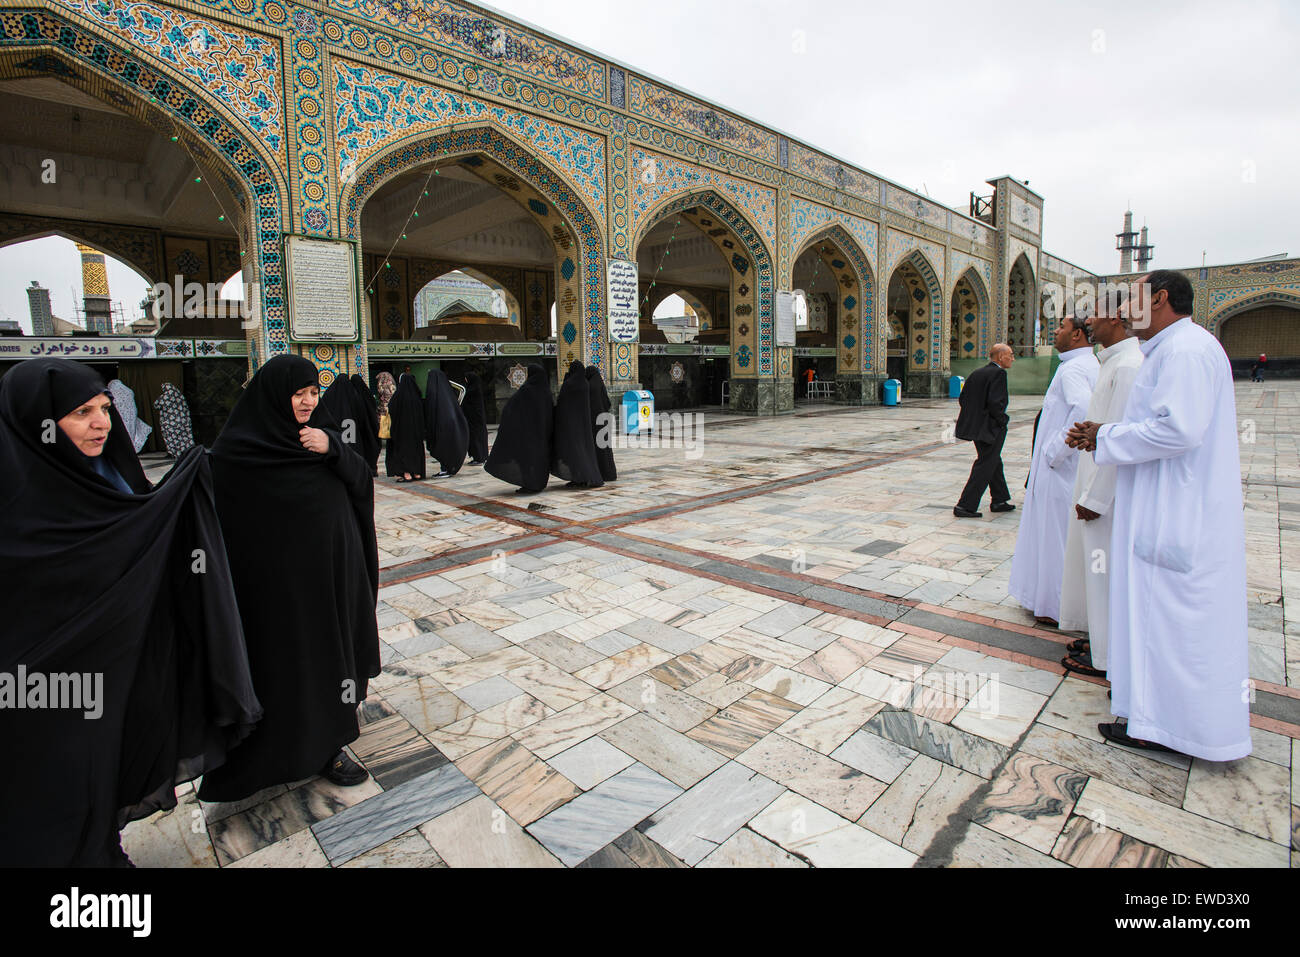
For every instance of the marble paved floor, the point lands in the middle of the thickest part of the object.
(773, 646)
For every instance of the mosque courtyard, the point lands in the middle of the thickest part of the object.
(775, 648)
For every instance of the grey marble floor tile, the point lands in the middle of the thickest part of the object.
(406, 850)
(747, 849)
(383, 817)
(871, 754)
(489, 692)
(677, 757)
(950, 745)
(694, 824)
(589, 763)
(587, 823)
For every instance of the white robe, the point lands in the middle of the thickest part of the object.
(1084, 597)
(1178, 640)
(1037, 566)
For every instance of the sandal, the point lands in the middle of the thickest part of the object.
(1079, 666)
(1117, 733)
(1079, 646)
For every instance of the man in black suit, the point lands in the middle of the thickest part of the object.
(983, 420)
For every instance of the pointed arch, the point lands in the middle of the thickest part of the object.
(543, 192)
(969, 316)
(857, 342)
(1022, 306)
(753, 339)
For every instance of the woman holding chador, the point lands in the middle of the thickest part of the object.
(297, 508)
(573, 455)
(602, 424)
(125, 644)
(521, 454)
(446, 431)
(405, 454)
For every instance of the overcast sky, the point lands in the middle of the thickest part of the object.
(1187, 111)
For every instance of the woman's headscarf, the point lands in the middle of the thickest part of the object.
(124, 402)
(174, 420)
(385, 386)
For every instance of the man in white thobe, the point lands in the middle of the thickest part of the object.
(1178, 642)
(1084, 597)
(1037, 566)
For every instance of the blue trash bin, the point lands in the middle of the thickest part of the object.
(638, 412)
(892, 387)
(954, 386)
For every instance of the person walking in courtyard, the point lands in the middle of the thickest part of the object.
(602, 424)
(1178, 655)
(521, 454)
(1257, 370)
(1085, 597)
(475, 419)
(983, 420)
(446, 433)
(1037, 565)
(573, 451)
(296, 505)
(404, 456)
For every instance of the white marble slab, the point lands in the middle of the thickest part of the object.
(694, 824)
(825, 839)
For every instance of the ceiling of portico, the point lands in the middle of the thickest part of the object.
(108, 166)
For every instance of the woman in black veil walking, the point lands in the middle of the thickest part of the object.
(349, 401)
(521, 454)
(125, 587)
(297, 508)
(476, 419)
(573, 454)
(405, 453)
(602, 426)
(446, 431)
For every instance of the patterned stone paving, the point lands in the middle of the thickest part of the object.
(777, 648)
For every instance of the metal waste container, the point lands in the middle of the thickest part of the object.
(892, 388)
(638, 412)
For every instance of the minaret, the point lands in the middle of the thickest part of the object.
(94, 286)
(38, 301)
(1124, 243)
(1144, 251)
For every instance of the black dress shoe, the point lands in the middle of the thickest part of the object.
(477, 461)
(1002, 507)
(966, 513)
(343, 771)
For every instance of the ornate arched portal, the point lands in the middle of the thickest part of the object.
(1268, 323)
(845, 265)
(542, 192)
(761, 379)
(916, 299)
(236, 149)
(1022, 307)
(969, 316)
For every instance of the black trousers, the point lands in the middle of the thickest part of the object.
(986, 473)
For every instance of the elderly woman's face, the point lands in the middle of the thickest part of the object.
(88, 424)
(304, 402)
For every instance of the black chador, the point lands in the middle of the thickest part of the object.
(121, 634)
(446, 433)
(299, 528)
(602, 424)
(521, 454)
(476, 419)
(405, 454)
(573, 455)
(350, 404)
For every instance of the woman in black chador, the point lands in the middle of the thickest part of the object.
(349, 401)
(124, 588)
(476, 419)
(405, 454)
(446, 431)
(602, 426)
(573, 454)
(521, 455)
(297, 508)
